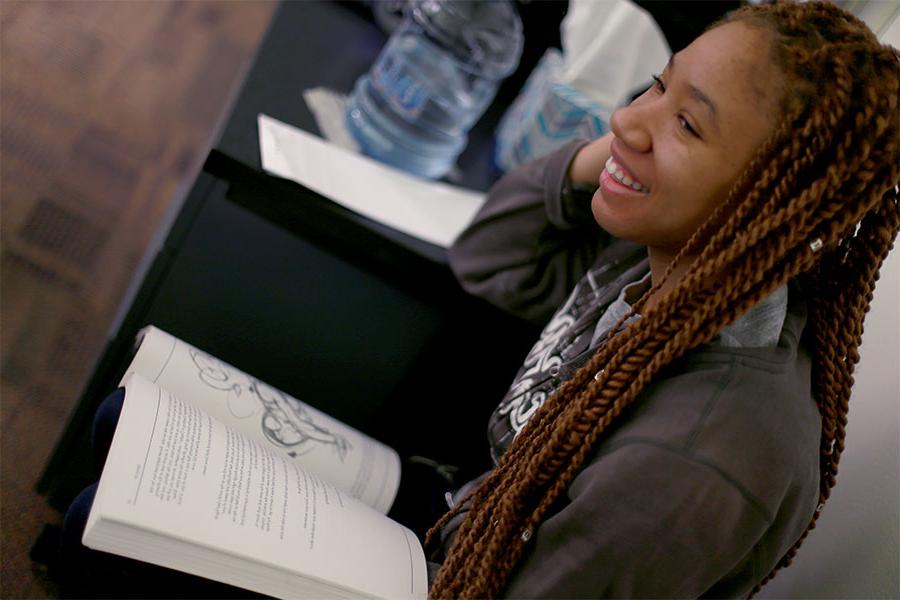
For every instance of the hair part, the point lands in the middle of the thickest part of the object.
(828, 174)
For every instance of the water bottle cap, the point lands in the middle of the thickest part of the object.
(485, 37)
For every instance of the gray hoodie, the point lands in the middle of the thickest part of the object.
(710, 477)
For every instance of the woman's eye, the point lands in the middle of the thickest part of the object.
(687, 126)
(660, 88)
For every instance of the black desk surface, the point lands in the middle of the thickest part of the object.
(356, 319)
(329, 44)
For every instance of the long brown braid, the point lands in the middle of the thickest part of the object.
(819, 202)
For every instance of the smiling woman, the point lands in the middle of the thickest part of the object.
(677, 428)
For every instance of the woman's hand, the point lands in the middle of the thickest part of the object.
(590, 161)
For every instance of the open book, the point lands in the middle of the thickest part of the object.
(214, 473)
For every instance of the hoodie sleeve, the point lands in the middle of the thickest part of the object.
(644, 521)
(533, 239)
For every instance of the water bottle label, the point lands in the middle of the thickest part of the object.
(405, 95)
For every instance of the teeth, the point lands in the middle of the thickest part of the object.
(613, 169)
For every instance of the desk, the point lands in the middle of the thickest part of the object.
(361, 321)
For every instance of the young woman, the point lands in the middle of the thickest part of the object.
(677, 428)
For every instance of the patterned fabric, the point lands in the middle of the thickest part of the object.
(565, 344)
(583, 322)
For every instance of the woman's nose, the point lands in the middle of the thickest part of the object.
(631, 125)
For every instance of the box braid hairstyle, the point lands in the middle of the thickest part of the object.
(819, 202)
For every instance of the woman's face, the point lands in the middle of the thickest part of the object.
(684, 142)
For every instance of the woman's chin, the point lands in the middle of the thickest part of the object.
(623, 224)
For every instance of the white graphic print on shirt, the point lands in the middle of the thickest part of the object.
(523, 399)
(569, 337)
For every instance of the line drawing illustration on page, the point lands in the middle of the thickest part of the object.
(284, 420)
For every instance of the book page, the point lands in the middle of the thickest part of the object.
(175, 471)
(355, 463)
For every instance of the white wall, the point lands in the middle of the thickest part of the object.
(854, 551)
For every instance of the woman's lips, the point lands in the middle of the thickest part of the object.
(621, 175)
(610, 184)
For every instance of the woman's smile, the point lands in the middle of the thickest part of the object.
(613, 185)
(618, 180)
(620, 175)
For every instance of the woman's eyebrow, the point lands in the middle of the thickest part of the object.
(698, 95)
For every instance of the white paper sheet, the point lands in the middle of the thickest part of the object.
(329, 109)
(433, 211)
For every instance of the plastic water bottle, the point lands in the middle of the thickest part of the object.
(435, 77)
